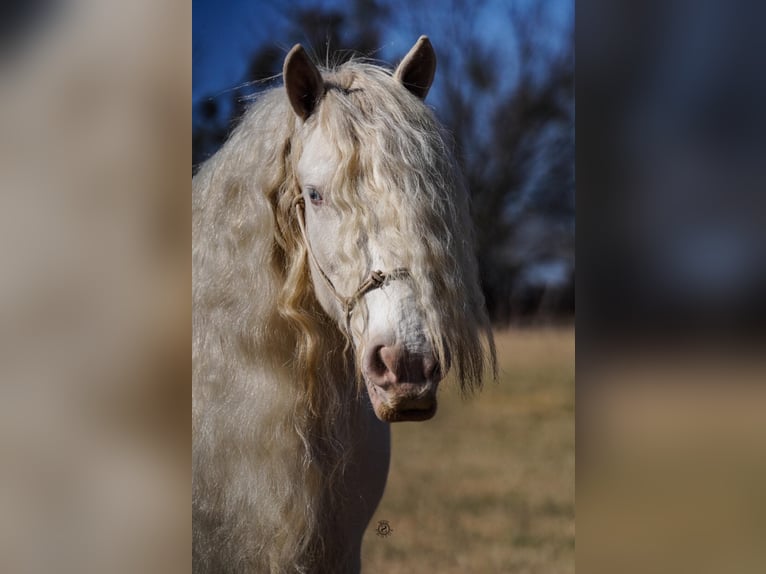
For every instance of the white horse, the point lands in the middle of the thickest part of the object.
(332, 252)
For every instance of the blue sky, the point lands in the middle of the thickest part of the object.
(227, 32)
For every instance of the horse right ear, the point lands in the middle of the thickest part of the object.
(303, 82)
(416, 71)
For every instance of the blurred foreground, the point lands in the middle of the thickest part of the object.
(488, 484)
(672, 463)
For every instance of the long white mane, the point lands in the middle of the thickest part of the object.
(274, 377)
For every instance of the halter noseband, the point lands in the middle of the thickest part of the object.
(375, 280)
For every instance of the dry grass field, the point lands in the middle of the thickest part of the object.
(488, 484)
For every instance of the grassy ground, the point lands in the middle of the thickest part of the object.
(488, 484)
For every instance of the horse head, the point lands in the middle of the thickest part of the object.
(383, 220)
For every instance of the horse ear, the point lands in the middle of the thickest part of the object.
(416, 71)
(303, 82)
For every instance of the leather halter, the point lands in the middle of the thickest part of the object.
(375, 280)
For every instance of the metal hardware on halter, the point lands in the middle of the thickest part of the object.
(375, 280)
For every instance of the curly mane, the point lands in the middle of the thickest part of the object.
(263, 348)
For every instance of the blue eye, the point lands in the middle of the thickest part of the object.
(314, 196)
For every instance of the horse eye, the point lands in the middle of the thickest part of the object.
(315, 196)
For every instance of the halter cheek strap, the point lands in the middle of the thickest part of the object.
(374, 280)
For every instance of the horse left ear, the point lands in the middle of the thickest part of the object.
(303, 82)
(416, 71)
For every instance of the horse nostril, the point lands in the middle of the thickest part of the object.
(385, 365)
(431, 369)
(374, 366)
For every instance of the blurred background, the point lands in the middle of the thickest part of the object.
(504, 89)
(671, 353)
(95, 322)
(672, 162)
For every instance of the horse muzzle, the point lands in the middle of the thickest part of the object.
(402, 384)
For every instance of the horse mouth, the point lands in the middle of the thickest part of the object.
(393, 408)
(414, 415)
